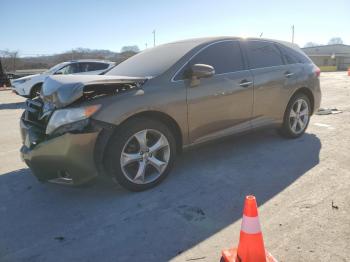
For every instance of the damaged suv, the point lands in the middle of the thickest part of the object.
(131, 123)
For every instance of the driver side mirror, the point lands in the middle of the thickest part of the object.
(202, 71)
(199, 71)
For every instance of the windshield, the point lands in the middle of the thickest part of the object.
(153, 62)
(53, 69)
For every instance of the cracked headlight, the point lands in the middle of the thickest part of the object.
(66, 116)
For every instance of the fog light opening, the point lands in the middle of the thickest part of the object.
(63, 177)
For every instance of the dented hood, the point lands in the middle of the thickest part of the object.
(65, 89)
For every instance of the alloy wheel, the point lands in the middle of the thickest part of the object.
(299, 116)
(145, 156)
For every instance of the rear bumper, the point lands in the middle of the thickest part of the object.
(67, 159)
(317, 96)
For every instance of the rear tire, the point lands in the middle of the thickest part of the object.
(296, 117)
(139, 166)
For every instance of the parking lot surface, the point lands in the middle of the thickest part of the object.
(302, 188)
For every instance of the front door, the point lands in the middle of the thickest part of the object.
(221, 104)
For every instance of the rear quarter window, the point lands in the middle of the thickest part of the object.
(293, 57)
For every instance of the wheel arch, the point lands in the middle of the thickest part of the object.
(306, 91)
(165, 119)
(39, 84)
(107, 133)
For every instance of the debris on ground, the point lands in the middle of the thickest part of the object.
(196, 258)
(334, 206)
(328, 111)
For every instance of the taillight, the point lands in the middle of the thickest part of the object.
(317, 71)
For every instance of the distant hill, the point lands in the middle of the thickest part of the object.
(11, 61)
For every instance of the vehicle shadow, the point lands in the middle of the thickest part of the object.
(102, 222)
(17, 105)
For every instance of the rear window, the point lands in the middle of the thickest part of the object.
(263, 54)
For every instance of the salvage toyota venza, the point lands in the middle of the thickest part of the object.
(130, 123)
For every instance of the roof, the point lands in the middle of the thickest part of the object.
(202, 40)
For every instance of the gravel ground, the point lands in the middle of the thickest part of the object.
(302, 187)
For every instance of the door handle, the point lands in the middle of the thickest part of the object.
(288, 74)
(245, 83)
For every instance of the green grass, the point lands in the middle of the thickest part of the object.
(328, 68)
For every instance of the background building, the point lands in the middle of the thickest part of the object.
(331, 57)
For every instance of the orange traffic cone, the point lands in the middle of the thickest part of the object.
(251, 244)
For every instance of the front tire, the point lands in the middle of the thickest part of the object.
(297, 116)
(140, 154)
(35, 91)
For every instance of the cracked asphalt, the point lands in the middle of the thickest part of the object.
(302, 187)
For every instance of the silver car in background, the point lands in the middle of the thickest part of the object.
(30, 86)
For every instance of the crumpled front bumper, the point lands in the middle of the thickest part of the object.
(68, 158)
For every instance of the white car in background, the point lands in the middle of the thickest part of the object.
(30, 86)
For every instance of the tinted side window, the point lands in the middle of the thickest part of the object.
(293, 57)
(97, 66)
(69, 69)
(92, 66)
(301, 58)
(225, 57)
(289, 55)
(263, 54)
(84, 67)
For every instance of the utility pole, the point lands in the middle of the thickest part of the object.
(261, 34)
(293, 34)
(154, 37)
(146, 45)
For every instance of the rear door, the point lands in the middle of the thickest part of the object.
(295, 61)
(221, 104)
(272, 81)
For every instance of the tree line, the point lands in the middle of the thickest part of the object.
(332, 41)
(12, 61)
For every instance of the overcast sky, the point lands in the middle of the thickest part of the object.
(46, 27)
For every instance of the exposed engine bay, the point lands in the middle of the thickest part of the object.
(69, 91)
(65, 90)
